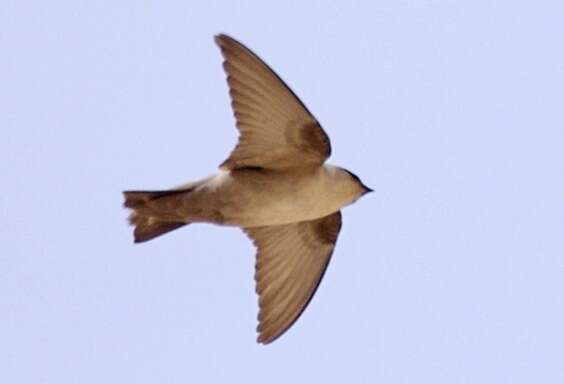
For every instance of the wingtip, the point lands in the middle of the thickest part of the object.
(262, 340)
(221, 38)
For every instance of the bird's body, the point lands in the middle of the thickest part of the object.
(274, 185)
(251, 197)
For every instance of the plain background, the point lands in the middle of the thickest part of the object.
(451, 272)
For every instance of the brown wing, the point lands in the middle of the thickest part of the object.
(291, 261)
(276, 129)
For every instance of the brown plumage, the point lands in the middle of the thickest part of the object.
(291, 261)
(147, 213)
(274, 185)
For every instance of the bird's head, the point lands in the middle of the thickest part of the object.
(361, 189)
(349, 185)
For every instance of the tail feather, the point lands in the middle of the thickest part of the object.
(145, 218)
(135, 199)
(148, 228)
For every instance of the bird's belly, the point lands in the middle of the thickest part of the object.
(275, 212)
(276, 203)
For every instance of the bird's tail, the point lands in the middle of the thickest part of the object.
(147, 218)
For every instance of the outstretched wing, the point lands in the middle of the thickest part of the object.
(291, 260)
(276, 129)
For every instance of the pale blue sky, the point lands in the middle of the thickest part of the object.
(451, 272)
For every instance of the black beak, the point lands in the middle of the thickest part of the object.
(366, 189)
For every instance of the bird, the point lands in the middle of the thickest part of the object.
(275, 186)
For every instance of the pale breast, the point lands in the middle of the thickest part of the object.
(253, 197)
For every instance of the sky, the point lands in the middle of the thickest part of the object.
(452, 271)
